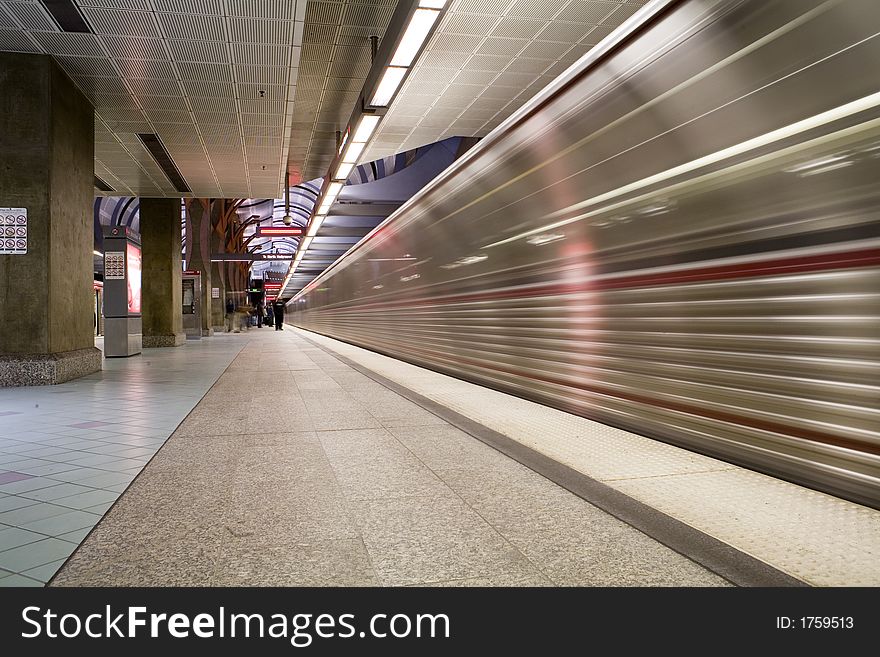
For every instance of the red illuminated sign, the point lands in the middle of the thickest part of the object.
(272, 286)
(279, 231)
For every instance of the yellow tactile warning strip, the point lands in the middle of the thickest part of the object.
(812, 536)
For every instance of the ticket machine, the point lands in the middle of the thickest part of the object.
(192, 306)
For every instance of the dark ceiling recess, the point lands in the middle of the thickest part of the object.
(104, 187)
(67, 15)
(163, 159)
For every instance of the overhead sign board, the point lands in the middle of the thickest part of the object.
(249, 257)
(279, 231)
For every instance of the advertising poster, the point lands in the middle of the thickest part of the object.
(134, 279)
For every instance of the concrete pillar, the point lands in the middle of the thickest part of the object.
(198, 253)
(160, 240)
(47, 164)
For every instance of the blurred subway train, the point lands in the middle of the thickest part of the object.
(678, 237)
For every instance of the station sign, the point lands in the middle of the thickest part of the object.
(250, 257)
(279, 231)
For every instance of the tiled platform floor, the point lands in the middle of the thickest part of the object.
(68, 451)
(816, 538)
(296, 469)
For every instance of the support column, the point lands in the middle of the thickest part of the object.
(160, 240)
(198, 253)
(47, 168)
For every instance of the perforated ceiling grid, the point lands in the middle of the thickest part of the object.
(335, 60)
(192, 72)
(215, 79)
(485, 60)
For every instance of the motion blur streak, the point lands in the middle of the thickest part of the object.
(725, 298)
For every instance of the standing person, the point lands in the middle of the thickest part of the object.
(259, 312)
(230, 314)
(270, 318)
(278, 312)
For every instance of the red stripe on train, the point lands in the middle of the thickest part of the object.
(794, 265)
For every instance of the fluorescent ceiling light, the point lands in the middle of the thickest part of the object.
(317, 220)
(343, 170)
(343, 142)
(432, 4)
(414, 36)
(365, 128)
(391, 80)
(353, 153)
(325, 207)
(97, 253)
(305, 244)
(333, 190)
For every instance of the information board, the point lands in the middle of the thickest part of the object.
(13, 231)
(114, 265)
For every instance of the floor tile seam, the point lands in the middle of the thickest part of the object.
(55, 501)
(731, 563)
(9, 573)
(59, 481)
(140, 471)
(488, 524)
(49, 458)
(43, 535)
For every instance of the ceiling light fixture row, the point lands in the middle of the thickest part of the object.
(419, 27)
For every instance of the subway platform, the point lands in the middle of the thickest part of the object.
(288, 459)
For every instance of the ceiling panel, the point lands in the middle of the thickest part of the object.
(487, 58)
(335, 57)
(202, 74)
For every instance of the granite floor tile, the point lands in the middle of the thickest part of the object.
(367, 478)
(628, 559)
(525, 578)
(444, 447)
(214, 426)
(431, 539)
(361, 442)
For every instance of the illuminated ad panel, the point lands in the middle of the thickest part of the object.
(134, 278)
